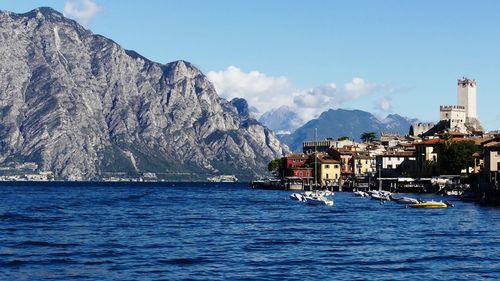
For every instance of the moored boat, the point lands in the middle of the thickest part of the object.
(380, 196)
(297, 196)
(319, 201)
(404, 200)
(314, 197)
(432, 205)
(360, 194)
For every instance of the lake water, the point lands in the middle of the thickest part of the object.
(230, 232)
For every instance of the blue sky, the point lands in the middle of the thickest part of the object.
(380, 56)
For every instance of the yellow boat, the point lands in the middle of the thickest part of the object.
(432, 205)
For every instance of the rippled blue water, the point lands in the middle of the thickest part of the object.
(231, 232)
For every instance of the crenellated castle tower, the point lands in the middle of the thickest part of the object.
(467, 97)
(462, 117)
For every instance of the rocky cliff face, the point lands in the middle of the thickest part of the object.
(79, 105)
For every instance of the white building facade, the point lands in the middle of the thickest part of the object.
(455, 114)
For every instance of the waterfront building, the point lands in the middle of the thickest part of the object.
(478, 162)
(329, 171)
(363, 164)
(310, 147)
(344, 156)
(296, 170)
(293, 160)
(429, 151)
(395, 163)
(492, 157)
(304, 173)
(427, 156)
(489, 183)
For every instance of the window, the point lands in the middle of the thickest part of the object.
(327, 166)
(327, 176)
(389, 166)
(336, 166)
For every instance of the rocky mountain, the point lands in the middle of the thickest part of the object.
(79, 105)
(341, 122)
(282, 120)
(398, 123)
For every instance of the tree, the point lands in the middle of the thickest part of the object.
(368, 136)
(456, 156)
(275, 165)
(343, 138)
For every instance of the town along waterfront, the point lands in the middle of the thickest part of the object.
(231, 232)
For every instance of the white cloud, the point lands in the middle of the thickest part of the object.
(261, 91)
(385, 105)
(310, 103)
(318, 97)
(268, 92)
(357, 88)
(313, 102)
(81, 10)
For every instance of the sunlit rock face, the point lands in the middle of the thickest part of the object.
(81, 106)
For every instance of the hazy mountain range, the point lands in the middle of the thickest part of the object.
(335, 123)
(282, 120)
(80, 105)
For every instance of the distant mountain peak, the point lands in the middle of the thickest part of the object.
(335, 123)
(282, 120)
(45, 12)
(181, 69)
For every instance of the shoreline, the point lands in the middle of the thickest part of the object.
(114, 183)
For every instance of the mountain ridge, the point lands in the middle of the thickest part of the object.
(80, 105)
(335, 123)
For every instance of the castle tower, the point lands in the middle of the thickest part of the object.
(467, 97)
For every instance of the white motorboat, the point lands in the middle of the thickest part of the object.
(314, 197)
(319, 201)
(380, 196)
(318, 193)
(297, 196)
(360, 194)
(326, 193)
(405, 200)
